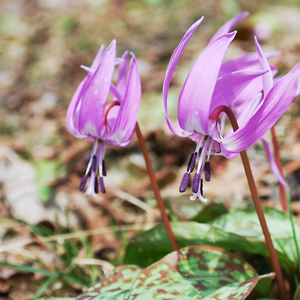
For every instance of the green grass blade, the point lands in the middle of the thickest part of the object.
(43, 288)
(45, 273)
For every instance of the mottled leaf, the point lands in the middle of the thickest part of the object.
(246, 223)
(113, 287)
(154, 243)
(196, 272)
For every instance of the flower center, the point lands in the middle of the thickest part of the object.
(197, 184)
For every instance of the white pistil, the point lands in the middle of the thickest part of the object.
(95, 145)
(199, 170)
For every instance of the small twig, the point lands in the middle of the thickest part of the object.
(283, 199)
(156, 188)
(256, 201)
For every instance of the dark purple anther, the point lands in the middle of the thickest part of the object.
(201, 187)
(96, 185)
(83, 182)
(196, 181)
(94, 163)
(192, 162)
(103, 168)
(101, 184)
(184, 182)
(207, 171)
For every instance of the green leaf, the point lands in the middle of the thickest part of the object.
(197, 272)
(154, 244)
(246, 223)
(210, 212)
(113, 287)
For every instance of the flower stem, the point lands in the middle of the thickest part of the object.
(256, 201)
(159, 200)
(263, 223)
(283, 199)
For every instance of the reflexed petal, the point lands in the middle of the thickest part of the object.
(170, 70)
(264, 65)
(275, 104)
(96, 93)
(273, 163)
(247, 61)
(127, 117)
(196, 94)
(122, 79)
(97, 59)
(230, 86)
(228, 26)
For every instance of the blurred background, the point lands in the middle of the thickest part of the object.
(42, 45)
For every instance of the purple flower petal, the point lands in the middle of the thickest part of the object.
(273, 163)
(273, 107)
(96, 93)
(264, 65)
(170, 70)
(230, 86)
(122, 79)
(228, 26)
(127, 116)
(246, 61)
(196, 94)
(72, 113)
(97, 59)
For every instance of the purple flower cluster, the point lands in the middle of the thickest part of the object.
(244, 84)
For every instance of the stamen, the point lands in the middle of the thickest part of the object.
(83, 182)
(96, 185)
(94, 163)
(207, 171)
(101, 184)
(103, 168)
(184, 182)
(201, 187)
(192, 162)
(196, 181)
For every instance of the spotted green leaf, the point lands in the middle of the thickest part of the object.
(154, 243)
(113, 287)
(196, 272)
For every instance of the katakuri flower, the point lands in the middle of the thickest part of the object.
(90, 116)
(204, 91)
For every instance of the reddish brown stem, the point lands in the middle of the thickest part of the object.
(155, 187)
(279, 165)
(256, 201)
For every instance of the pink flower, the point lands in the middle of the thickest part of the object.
(90, 117)
(204, 91)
